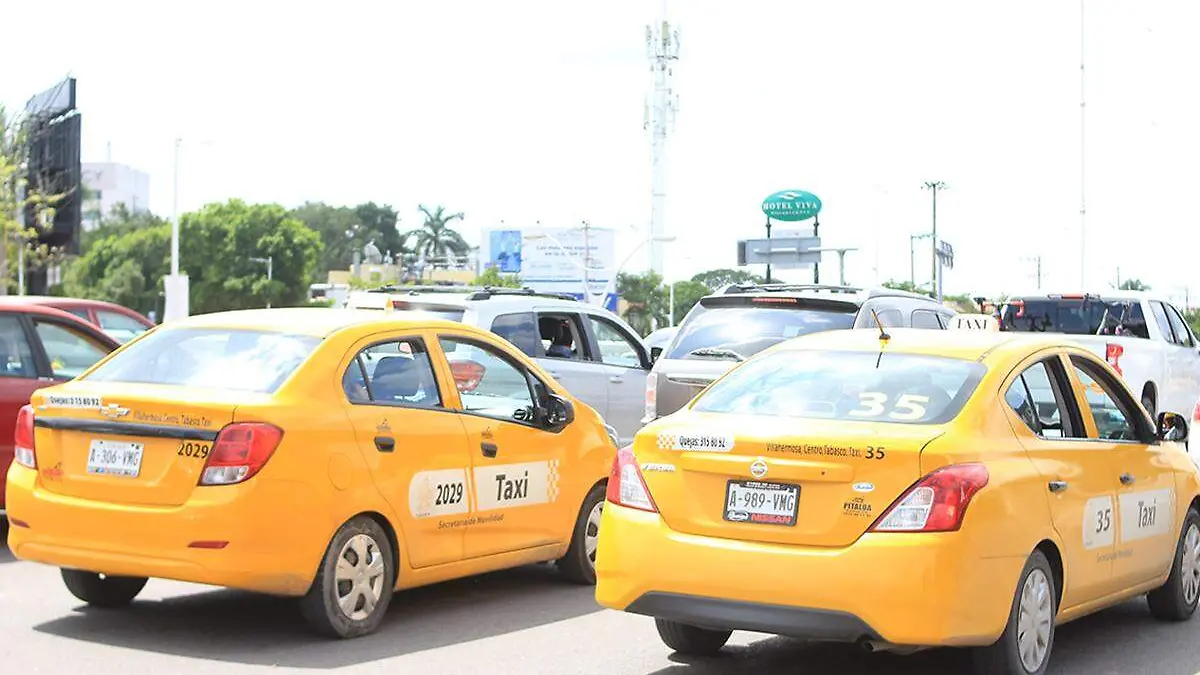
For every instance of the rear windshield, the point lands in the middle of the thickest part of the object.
(850, 386)
(428, 311)
(241, 360)
(1075, 316)
(739, 331)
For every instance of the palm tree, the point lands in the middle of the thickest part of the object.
(435, 239)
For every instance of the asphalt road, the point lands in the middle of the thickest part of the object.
(521, 622)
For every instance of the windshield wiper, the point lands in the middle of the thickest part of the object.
(717, 352)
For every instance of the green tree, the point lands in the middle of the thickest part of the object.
(492, 277)
(687, 294)
(119, 221)
(217, 245)
(1133, 285)
(646, 299)
(905, 286)
(123, 266)
(1192, 316)
(435, 239)
(717, 279)
(344, 230)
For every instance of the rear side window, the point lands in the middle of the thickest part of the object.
(70, 351)
(849, 386)
(1075, 316)
(741, 330)
(17, 354)
(521, 330)
(927, 319)
(243, 360)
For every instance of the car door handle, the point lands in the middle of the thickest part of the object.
(1127, 479)
(385, 443)
(1058, 485)
(552, 373)
(488, 449)
(616, 379)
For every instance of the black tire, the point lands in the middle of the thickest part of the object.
(691, 640)
(321, 606)
(105, 592)
(579, 564)
(1170, 602)
(1004, 657)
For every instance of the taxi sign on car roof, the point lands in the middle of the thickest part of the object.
(975, 322)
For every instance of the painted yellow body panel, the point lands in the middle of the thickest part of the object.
(905, 588)
(326, 471)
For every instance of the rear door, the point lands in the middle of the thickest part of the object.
(1185, 365)
(625, 363)
(19, 378)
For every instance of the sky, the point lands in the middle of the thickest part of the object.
(532, 110)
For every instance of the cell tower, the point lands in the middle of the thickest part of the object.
(662, 48)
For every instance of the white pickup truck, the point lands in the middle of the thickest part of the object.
(1144, 337)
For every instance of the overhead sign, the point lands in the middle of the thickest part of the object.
(984, 322)
(781, 252)
(791, 205)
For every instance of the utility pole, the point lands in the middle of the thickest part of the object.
(662, 49)
(587, 259)
(270, 261)
(1082, 162)
(936, 186)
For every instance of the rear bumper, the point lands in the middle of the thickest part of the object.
(276, 534)
(904, 589)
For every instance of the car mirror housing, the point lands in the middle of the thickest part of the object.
(1172, 427)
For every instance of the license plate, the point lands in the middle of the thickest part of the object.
(749, 501)
(115, 458)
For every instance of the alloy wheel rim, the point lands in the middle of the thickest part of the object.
(591, 533)
(1190, 565)
(1035, 620)
(359, 577)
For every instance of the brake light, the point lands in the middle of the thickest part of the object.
(240, 451)
(23, 439)
(1112, 354)
(775, 301)
(651, 409)
(936, 503)
(625, 484)
(467, 375)
(1196, 412)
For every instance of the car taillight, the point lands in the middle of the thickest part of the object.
(625, 484)
(240, 451)
(467, 374)
(23, 439)
(936, 503)
(1196, 412)
(1112, 354)
(651, 411)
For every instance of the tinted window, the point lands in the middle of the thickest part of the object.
(1033, 397)
(398, 372)
(1182, 336)
(615, 346)
(428, 311)
(122, 328)
(80, 312)
(1113, 421)
(924, 318)
(521, 330)
(244, 360)
(70, 351)
(747, 329)
(488, 384)
(1083, 316)
(850, 386)
(17, 355)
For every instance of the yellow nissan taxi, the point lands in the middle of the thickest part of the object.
(904, 490)
(332, 455)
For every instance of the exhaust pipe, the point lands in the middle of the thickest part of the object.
(873, 646)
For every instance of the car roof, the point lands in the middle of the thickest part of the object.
(1110, 294)
(313, 321)
(479, 299)
(970, 345)
(834, 292)
(58, 300)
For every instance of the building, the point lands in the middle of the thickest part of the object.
(108, 184)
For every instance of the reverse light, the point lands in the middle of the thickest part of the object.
(240, 451)
(1112, 354)
(467, 375)
(625, 484)
(651, 410)
(23, 452)
(936, 503)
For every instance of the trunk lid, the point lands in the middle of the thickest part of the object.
(129, 443)
(833, 477)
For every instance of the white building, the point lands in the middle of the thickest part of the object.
(109, 184)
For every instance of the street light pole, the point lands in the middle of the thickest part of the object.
(935, 186)
(175, 285)
(270, 261)
(175, 213)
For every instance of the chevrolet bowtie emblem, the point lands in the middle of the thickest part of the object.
(114, 411)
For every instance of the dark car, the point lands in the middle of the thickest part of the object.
(39, 346)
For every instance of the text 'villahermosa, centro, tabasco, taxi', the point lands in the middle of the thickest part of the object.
(331, 455)
(904, 490)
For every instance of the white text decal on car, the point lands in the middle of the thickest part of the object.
(695, 442)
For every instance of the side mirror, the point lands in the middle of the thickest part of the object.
(1172, 427)
(558, 414)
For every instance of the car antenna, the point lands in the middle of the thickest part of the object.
(883, 334)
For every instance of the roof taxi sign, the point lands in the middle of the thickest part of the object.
(985, 322)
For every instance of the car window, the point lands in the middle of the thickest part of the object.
(924, 318)
(119, 322)
(1182, 336)
(17, 354)
(70, 351)
(396, 372)
(848, 386)
(488, 383)
(1036, 401)
(616, 349)
(562, 336)
(1114, 421)
(889, 317)
(714, 331)
(522, 331)
(1164, 324)
(217, 358)
(80, 312)
(1075, 316)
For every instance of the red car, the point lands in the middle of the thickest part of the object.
(39, 346)
(121, 323)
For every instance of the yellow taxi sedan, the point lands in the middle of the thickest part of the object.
(331, 455)
(902, 491)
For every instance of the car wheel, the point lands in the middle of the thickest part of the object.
(1176, 599)
(691, 640)
(579, 564)
(354, 584)
(1024, 648)
(102, 590)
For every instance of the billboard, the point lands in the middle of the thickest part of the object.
(551, 259)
